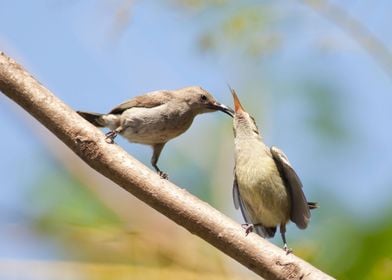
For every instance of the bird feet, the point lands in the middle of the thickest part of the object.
(110, 136)
(248, 228)
(163, 175)
(287, 249)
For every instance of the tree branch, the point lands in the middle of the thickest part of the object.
(196, 216)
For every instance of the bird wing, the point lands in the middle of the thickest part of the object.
(238, 203)
(236, 194)
(300, 213)
(147, 101)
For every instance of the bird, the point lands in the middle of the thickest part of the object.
(266, 187)
(156, 117)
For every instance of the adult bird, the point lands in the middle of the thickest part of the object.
(156, 117)
(266, 187)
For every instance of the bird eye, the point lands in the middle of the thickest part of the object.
(203, 98)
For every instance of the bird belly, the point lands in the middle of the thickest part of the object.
(263, 192)
(154, 125)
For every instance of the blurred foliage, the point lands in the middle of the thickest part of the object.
(61, 197)
(326, 115)
(246, 29)
(233, 26)
(74, 218)
(90, 232)
(62, 270)
(200, 4)
(354, 249)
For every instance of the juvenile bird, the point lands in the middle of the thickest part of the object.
(266, 187)
(156, 117)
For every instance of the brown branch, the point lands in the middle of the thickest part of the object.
(196, 216)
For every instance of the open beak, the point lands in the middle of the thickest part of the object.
(237, 104)
(220, 107)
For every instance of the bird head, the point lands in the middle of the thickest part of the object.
(244, 124)
(201, 101)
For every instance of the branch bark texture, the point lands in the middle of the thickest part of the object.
(110, 160)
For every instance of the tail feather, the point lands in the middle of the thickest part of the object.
(313, 205)
(93, 118)
(265, 232)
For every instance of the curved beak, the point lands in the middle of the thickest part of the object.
(221, 107)
(237, 104)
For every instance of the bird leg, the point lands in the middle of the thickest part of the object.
(248, 227)
(163, 174)
(283, 234)
(112, 134)
(157, 149)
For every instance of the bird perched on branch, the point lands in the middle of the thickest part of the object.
(266, 187)
(156, 117)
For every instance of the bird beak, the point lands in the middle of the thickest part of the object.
(237, 104)
(220, 107)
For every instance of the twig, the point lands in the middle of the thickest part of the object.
(196, 216)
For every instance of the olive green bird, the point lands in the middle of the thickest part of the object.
(266, 188)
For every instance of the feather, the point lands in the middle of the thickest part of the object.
(299, 213)
(266, 232)
(146, 101)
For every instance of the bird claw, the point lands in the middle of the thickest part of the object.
(163, 175)
(287, 249)
(110, 136)
(248, 228)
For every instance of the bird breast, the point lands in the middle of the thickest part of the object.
(155, 125)
(261, 188)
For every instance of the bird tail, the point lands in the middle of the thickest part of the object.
(313, 205)
(265, 232)
(94, 118)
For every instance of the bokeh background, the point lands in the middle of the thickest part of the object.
(316, 75)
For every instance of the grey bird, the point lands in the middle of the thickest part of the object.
(156, 117)
(266, 188)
